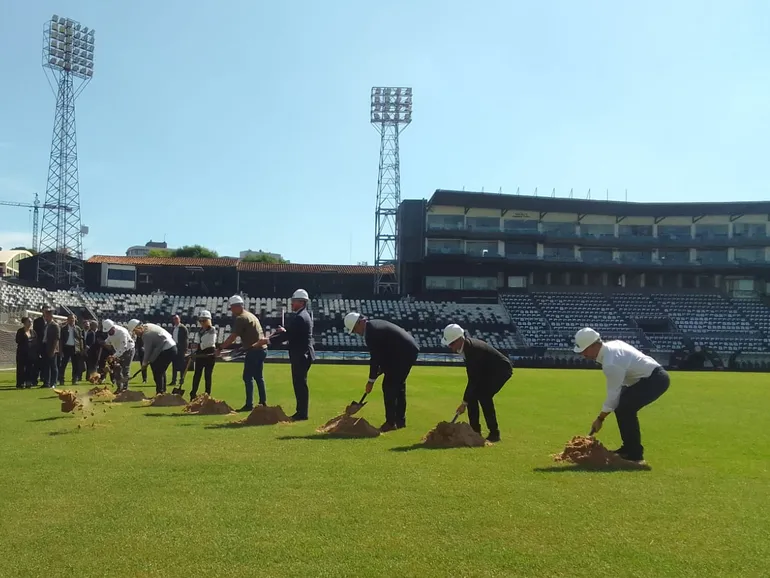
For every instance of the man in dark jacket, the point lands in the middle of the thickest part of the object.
(179, 333)
(393, 352)
(299, 334)
(39, 327)
(51, 335)
(487, 370)
(71, 349)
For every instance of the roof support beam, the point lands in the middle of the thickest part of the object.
(466, 210)
(618, 219)
(696, 219)
(503, 212)
(581, 216)
(735, 217)
(658, 219)
(543, 214)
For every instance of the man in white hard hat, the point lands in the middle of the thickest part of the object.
(634, 380)
(121, 341)
(299, 334)
(249, 329)
(488, 370)
(159, 350)
(393, 352)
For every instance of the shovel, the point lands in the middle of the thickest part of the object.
(355, 406)
(454, 419)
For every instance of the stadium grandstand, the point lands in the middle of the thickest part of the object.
(680, 281)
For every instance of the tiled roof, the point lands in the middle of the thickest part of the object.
(172, 261)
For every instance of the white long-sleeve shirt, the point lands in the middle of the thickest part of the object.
(623, 365)
(207, 338)
(120, 341)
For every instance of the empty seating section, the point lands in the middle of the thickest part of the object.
(726, 344)
(404, 310)
(756, 312)
(665, 341)
(567, 312)
(531, 323)
(427, 338)
(637, 306)
(703, 313)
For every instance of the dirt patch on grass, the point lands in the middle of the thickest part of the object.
(262, 415)
(591, 453)
(453, 435)
(207, 405)
(101, 394)
(69, 400)
(167, 400)
(129, 395)
(348, 426)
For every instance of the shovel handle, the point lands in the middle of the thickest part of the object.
(454, 419)
(363, 397)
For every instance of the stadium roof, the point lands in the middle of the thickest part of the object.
(241, 265)
(505, 202)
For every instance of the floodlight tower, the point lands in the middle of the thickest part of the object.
(391, 112)
(68, 60)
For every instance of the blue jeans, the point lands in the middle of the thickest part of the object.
(253, 365)
(50, 373)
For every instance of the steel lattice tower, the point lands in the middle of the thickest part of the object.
(391, 113)
(68, 59)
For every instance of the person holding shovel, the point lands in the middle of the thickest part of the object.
(488, 370)
(634, 380)
(206, 341)
(393, 353)
(121, 341)
(159, 350)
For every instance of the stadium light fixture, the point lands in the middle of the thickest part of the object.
(391, 105)
(68, 47)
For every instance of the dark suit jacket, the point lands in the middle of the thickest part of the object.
(65, 333)
(51, 339)
(90, 339)
(487, 368)
(299, 334)
(182, 335)
(391, 348)
(39, 326)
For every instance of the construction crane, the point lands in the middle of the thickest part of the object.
(36, 206)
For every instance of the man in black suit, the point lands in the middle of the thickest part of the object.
(71, 349)
(180, 334)
(393, 352)
(51, 336)
(299, 334)
(39, 325)
(487, 369)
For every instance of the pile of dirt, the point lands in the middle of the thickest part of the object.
(453, 435)
(69, 400)
(207, 405)
(129, 395)
(591, 453)
(348, 426)
(262, 415)
(101, 394)
(168, 400)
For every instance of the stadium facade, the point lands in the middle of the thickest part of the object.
(460, 241)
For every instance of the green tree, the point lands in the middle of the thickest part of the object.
(196, 251)
(160, 253)
(24, 249)
(264, 258)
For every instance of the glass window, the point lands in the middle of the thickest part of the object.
(559, 253)
(559, 229)
(674, 232)
(597, 230)
(482, 223)
(121, 274)
(480, 283)
(749, 230)
(635, 230)
(518, 226)
(444, 283)
(446, 222)
(636, 256)
(750, 254)
(596, 255)
(710, 231)
(712, 256)
(477, 248)
(445, 246)
(669, 257)
(513, 250)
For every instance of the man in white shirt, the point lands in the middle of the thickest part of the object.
(634, 380)
(121, 341)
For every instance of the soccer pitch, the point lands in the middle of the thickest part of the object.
(153, 492)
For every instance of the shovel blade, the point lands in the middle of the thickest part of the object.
(356, 407)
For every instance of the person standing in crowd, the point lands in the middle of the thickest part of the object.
(488, 370)
(299, 334)
(249, 329)
(26, 354)
(159, 350)
(206, 341)
(71, 349)
(38, 326)
(393, 352)
(51, 334)
(180, 335)
(634, 380)
(89, 339)
(123, 344)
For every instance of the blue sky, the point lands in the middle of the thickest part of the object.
(246, 125)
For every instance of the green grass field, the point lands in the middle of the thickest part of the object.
(152, 492)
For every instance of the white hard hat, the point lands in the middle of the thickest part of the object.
(452, 333)
(351, 319)
(204, 315)
(107, 324)
(301, 294)
(585, 338)
(235, 300)
(133, 324)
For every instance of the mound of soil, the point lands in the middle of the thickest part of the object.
(207, 405)
(129, 395)
(591, 453)
(348, 426)
(101, 393)
(168, 400)
(453, 435)
(262, 415)
(69, 400)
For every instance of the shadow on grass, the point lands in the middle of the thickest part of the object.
(422, 446)
(52, 418)
(594, 469)
(62, 432)
(158, 414)
(323, 436)
(50, 397)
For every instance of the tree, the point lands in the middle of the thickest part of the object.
(196, 251)
(24, 249)
(160, 253)
(264, 258)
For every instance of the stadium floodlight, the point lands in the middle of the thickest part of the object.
(391, 105)
(68, 47)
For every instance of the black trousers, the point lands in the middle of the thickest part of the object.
(159, 367)
(484, 397)
(26, 369)
(299, 370)
(632, 399)
(394, 393)
(70, 355)
(205, 366)
(179, 364)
